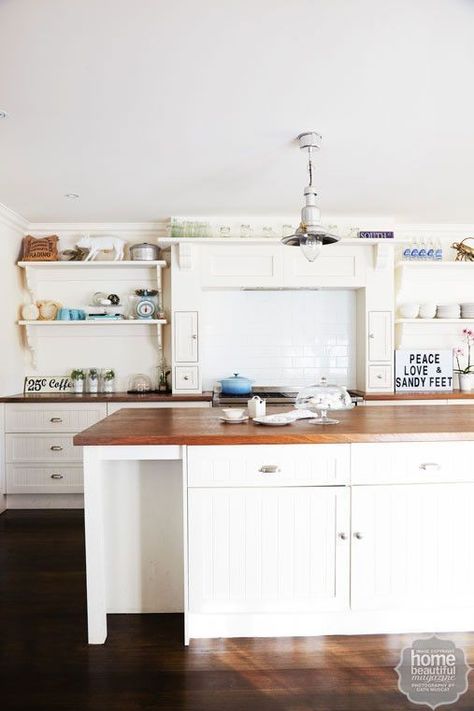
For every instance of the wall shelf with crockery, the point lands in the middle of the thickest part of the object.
(433, 320)
(95, 322)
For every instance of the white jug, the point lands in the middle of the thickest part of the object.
(256, 406)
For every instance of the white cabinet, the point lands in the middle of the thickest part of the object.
(412, 547)
(267, 550)
(53, 417)
(185, 336)
(186, 377)
(241, 266)
(380, 377)
(380, 336)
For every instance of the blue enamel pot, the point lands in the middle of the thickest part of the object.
(237, 385)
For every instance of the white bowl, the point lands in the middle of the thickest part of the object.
(233, 413)
(427, 311)
(409, 310)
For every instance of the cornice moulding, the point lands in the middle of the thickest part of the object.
(9, 218)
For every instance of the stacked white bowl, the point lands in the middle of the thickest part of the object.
(448, 311)
(427, 310)
(467, 311)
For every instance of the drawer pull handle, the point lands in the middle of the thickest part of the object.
(342, 536)
(186, 377)
(56, 448)
(358, 535)
(57, 476)
(269, 469)
(56, 419)
(430, 466)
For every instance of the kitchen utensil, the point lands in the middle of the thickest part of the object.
(144, 252)
(409, 310)
(256, 407)
(322, 398)
(234, 422)
(237, 385)
(234, 413)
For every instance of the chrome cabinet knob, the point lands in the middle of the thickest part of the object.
(371, 336)
(56, 419)
(57, 476)
(194, 337)
(430, 466)
(269, 469)
(358, 535)
(342, 536)
(56, 448)
(185, 377)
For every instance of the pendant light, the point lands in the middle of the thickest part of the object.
(310, 235)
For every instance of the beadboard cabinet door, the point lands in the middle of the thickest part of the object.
(268, 550)
(412, 546)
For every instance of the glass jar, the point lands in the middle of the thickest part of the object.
(108, 380)
(322, 398)
(93, 380)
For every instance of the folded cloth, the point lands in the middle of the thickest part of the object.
(286, 416)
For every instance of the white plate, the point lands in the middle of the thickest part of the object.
(234, 422)
(270, 424)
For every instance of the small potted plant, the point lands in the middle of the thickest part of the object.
(93, 380)
(465, 374)
(78, 376)
(108, 380)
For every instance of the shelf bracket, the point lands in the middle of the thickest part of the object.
(185, 256)
(383, 254)
(31, 338)
(31, 282)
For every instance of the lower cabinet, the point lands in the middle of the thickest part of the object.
(412, 546)
(268, 550)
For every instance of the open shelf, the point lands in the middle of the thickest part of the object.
(92, 264)
(354, 241)
(422, 264)
(92, 322)
(434, 320)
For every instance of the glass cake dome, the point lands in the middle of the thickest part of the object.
(322, 398)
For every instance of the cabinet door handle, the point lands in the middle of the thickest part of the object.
(358, 535)
(342, 536)
(379, 377)
(372, 336)
(430, 466)
(194, 337)
(56, 419)
(269, 469)
(186, 377)
(56, 448)
(57, 476)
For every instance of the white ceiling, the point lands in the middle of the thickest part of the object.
(148, 108)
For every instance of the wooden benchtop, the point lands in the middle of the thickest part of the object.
(418, 395)
(202, 426)
(104, 397)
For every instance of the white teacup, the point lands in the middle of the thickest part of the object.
(409, 310)
(233, 413)
(427, 310)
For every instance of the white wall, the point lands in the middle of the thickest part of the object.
(279, 337)
(11, 348)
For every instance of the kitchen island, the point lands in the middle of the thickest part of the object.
(361, 527)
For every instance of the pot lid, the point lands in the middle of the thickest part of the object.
(237, 377)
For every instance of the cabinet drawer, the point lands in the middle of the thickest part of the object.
(49, 479)
(41, 448)
(186, 377)
(32, 417)
(268, 465)
(412, 462)
(380, 376)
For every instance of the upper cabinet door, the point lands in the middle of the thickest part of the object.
(380, 335)
(186, 336)
(337, 266)
(268, 550)
(412, 546)
(241, 266)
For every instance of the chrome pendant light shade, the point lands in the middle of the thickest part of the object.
(310, 235)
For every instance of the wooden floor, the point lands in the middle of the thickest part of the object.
(45, 662)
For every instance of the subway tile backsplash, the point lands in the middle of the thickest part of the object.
(278, 337)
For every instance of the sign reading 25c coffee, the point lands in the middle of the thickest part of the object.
(423, 370)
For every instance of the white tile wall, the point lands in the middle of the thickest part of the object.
(278, 337)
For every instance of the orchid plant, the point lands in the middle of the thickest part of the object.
(462, 351)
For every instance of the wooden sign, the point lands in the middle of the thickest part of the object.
(40, 249)
(423, 370)
(372, 234)
(47, 384)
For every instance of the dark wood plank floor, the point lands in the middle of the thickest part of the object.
(45, 662)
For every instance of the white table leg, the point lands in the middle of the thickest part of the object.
(95, 556)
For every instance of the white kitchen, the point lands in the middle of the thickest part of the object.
(237, 393)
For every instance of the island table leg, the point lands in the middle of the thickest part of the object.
(95, 555)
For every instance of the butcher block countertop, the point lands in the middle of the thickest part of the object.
(105, 397)
(202, 427)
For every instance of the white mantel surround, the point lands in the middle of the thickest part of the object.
(200, 267)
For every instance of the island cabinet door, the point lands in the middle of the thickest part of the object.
(268, 550)
(412, 546)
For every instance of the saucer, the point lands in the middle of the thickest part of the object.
(234, 422)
